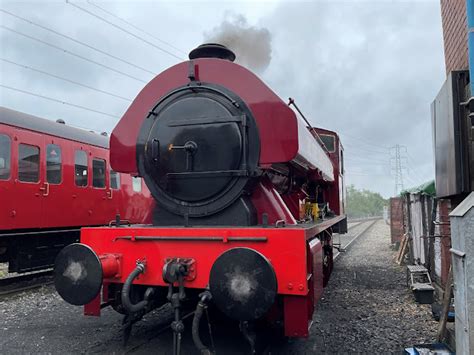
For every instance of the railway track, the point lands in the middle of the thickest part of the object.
(364, 219)
(23, 282)
(367, 225)
(351, 225)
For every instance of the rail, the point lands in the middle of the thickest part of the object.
(369, 224)
(23, 282)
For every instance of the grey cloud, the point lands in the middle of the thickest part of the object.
(368, 70)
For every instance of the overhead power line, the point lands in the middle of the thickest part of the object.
(89, 129)
(413, 182)
(123, 30)
(363, 140)
(357, 146)
(363, 174)
(366, 165)
(71, 53)
(77, 41)
(350, 158)
(58, 101)
(367, 169)
(410, 170)
(65, 79)
(136, 27)
(415, 170)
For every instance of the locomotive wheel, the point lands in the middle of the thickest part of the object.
(328, 263)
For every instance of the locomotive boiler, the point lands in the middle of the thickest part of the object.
(247, 194)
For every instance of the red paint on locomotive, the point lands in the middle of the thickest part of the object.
(276, 122)
(281, 218)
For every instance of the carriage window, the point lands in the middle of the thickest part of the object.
(53, 164)
(80, 168)
(5, 151)
(137, 184)
(329, 141)
(28, 163)
(98, 173)
(114, 180)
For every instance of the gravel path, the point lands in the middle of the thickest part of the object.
(367, 307)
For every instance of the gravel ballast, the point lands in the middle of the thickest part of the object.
(367, 306)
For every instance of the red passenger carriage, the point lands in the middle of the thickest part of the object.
(55, 179)
(247, 198)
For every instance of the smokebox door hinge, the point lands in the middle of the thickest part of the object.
(193, 72)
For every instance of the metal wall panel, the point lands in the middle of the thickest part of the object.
(450, 138)
(462, 229)
(416, 231)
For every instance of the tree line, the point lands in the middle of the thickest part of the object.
(364, 203)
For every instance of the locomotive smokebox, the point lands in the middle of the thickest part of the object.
(197, 152)
(212, 50)
(243, 284)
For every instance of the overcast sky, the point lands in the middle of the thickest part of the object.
(366, 69)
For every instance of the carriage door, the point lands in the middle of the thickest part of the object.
(101, 193)
(29, 187)
(114, 194)
(58, 181)
(7, 220)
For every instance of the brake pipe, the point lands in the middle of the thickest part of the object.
(126, 302)
(202, 304)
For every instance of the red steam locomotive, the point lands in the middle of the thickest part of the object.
(55, 179)
(247, 196)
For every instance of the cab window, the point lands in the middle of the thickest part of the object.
(80, 168)
(53, 164)
(5, 153)
(342, 162)
(98, 173)
(137, 184)
(114, 180)
(28, 163)
(329, 141)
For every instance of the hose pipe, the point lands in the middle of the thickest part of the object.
(126, 302)
(202, 304)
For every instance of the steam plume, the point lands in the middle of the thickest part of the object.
(251, 45)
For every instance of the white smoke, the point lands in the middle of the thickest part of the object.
(251, 44)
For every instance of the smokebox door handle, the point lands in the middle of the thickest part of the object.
(155, 149)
